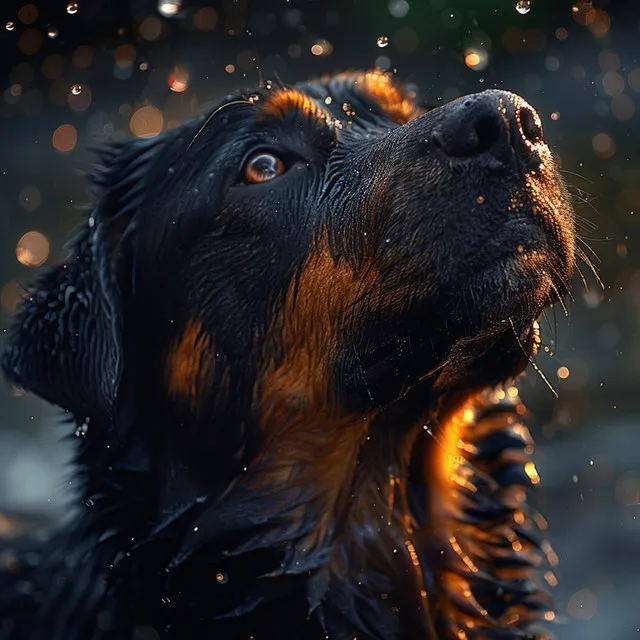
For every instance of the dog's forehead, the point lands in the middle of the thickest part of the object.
(341, 98)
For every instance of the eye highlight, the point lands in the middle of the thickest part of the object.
(262, 167)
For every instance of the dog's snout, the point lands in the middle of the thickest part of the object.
(492, 122)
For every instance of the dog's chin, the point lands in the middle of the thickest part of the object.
(492, 331)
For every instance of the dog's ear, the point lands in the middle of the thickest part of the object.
(66, 343)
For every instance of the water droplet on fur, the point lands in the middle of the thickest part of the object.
(481, 199)
(76, 89)
(52, 32)
(72, 8)
(382, 41)
(523, 6)
(82, 430)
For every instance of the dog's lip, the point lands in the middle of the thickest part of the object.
(528, 259)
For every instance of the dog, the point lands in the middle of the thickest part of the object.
(286, 334)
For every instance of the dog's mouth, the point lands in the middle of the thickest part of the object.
(481, 324)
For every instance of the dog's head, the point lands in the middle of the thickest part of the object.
(268, 282)
(331, 244)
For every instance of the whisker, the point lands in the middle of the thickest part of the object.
(281, 84)
(560, 299)
(583, 256)
(584, 280)
(532, 362)
(210, 117)
(577, 175)
(586, 244)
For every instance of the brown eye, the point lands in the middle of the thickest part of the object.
(262, 167)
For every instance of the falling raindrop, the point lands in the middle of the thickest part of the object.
(523, 6)
(52, 32)
(382, 41)
(10, 26)
(169, 8)
(72, 8)
(76, 89)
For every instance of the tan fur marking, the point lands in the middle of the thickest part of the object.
(310, 440)
(189, 364)
(316, 310)
(284, 101)
(378, 86)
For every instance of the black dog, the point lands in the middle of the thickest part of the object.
(285, 335)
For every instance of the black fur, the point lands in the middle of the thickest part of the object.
(252, 368)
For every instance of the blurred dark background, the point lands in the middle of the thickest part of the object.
(76, 73)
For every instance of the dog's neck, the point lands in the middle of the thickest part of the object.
(352, 511)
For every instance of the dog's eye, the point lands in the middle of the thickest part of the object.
(262, 167)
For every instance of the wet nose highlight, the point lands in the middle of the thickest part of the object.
(485, 124)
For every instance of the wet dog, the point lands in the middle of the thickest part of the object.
(286, 333)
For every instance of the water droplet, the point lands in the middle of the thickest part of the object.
(72, 8)
(52, 32)
(76, 89)
(10, 26)
(222, 578)
(169, 8)
(481, 199)
(382, 41)
(523, 6)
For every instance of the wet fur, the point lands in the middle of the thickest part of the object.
(264, 381)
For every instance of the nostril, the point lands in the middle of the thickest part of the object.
(488, 130)
(463, 139)
(529, 124)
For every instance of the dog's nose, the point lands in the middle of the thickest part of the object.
(491, 122)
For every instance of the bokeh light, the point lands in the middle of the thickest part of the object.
(64, 138)
(32, 249)
(146, 122)
(205, 19)
(583, 605)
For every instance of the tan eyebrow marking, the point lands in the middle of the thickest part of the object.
(284, 101)
(378, 86)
